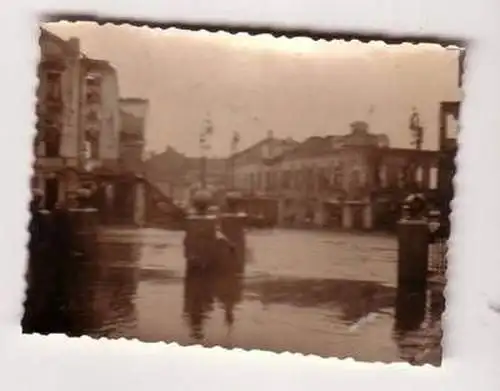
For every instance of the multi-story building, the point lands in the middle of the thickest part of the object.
(449, 113)
(57, 147)
(100, 118)
(89, 137)
(86, 135)
(78, 124)
(347, 181)
(178, 175)
(125, 148)
(133, 112)
(251, 167)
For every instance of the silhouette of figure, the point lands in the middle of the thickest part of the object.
(228, 287)
(410, 314)
(221, 283)
(198, 302)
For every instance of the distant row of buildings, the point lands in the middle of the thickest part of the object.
(178, 175)
(87, 135)
(354, 180)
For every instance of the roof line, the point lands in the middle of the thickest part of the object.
(239, 153)
(133, 99)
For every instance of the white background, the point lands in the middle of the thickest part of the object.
(472, 340)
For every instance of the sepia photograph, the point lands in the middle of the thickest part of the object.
(242, 191)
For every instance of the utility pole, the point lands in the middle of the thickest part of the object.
(205, 146)
(234, 148)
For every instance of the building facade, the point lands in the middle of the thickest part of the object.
(133, 114)
(56, 143)
(346, 181)
(178, 175)
(78, 119)
(100, 114)
(87, 137)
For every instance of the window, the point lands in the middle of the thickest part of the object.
(93, 97)
(93, 88)
(338, 176)
(285, 179)
(92, 116)
(39, 147)
(268, 179)
(433, 178)
(91, 145)
(419, 175)
(452, 127)
(54, 87)
(354, 180)
(259, 181)
(252, 181)
(298, 179)
(382, 176)
(322, 179)
(52, 141)
(93, 80)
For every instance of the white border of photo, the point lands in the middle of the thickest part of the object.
(472, 319)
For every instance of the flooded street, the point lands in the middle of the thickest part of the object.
(323, 293)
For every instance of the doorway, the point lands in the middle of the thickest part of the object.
(51, 192)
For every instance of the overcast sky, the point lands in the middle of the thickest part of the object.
(294, 87)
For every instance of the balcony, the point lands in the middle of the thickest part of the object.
(53, 105)
(93, 97)
(92, 117)
(49, 163)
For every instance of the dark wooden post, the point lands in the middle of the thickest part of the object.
(65, 241)
(200, 239)
(413, 251)
(413, 258)
(199, 242)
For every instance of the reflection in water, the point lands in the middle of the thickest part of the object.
(48, 294)
(417, 326)
(114, 288)
(355, 299)
(223, 285)
(410, 308)
(74, 287)
(198, 302)
(106, 291)
(118, 287)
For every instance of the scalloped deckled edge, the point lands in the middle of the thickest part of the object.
(131, 343)
(275, 31)
(316, 36)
